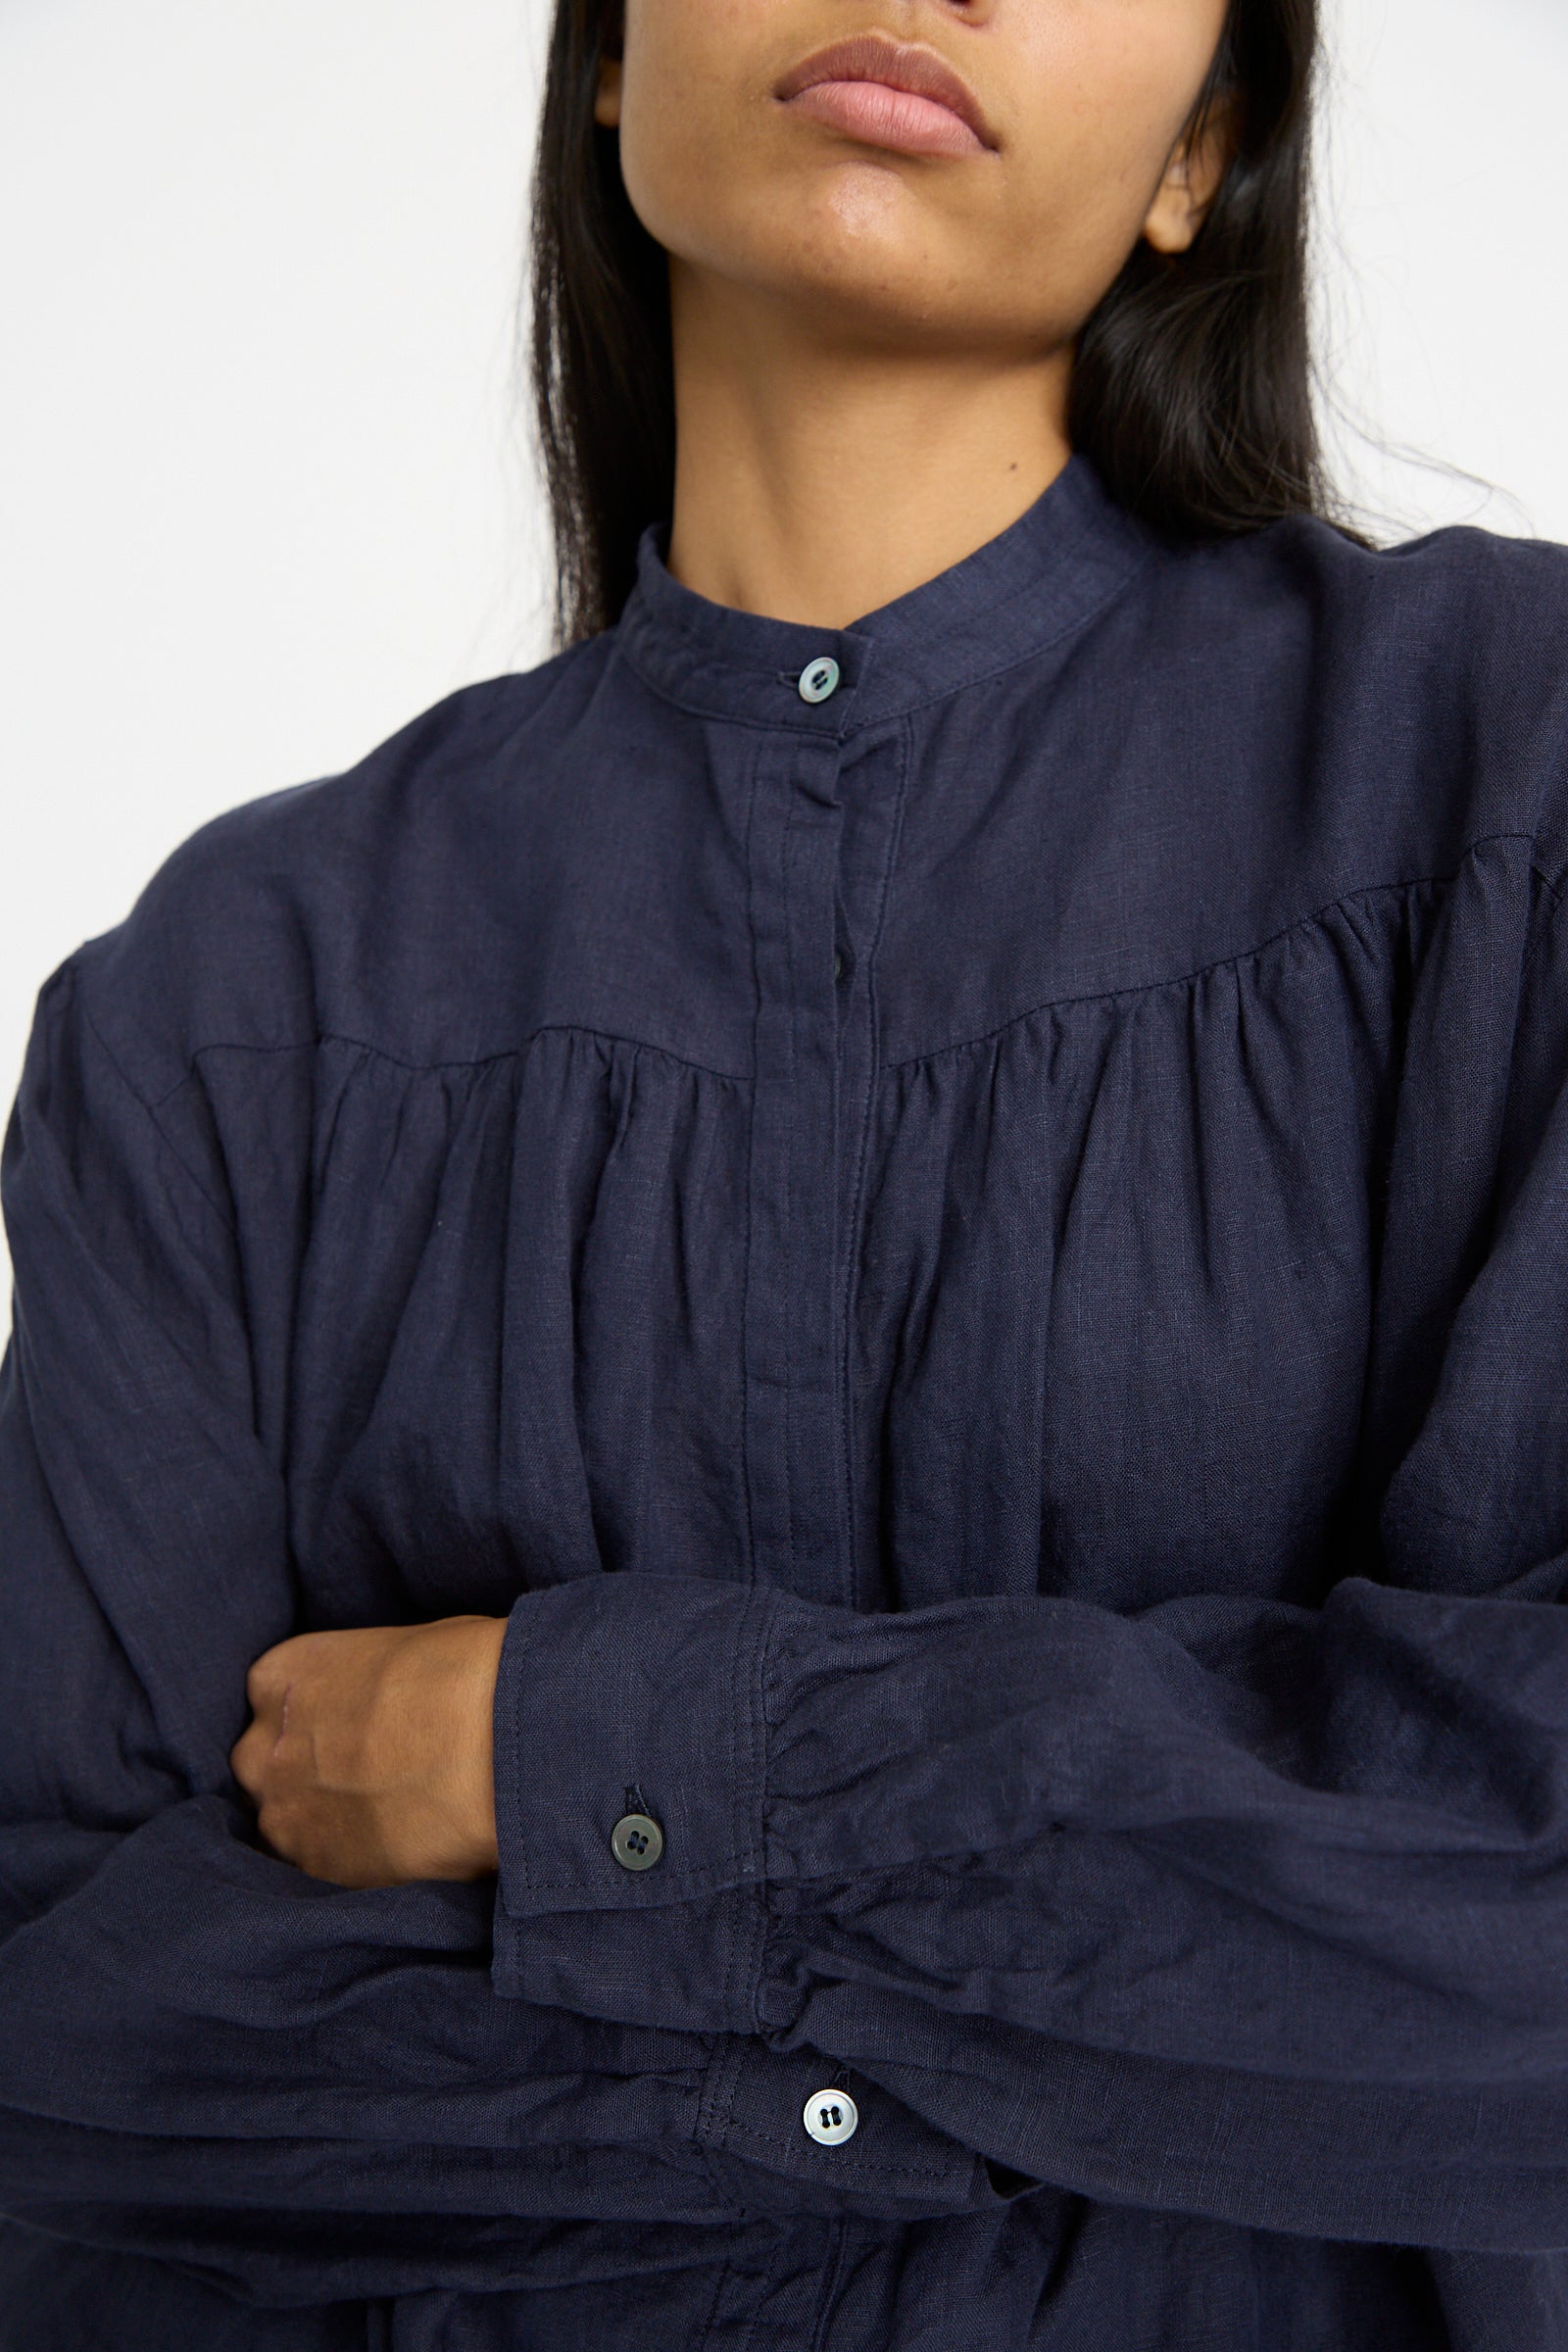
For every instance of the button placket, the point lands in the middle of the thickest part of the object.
(795, 1513)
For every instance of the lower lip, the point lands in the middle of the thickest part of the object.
(879, 116)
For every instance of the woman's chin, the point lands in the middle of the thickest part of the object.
(860, 247)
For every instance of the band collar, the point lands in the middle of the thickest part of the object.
(1042, 578)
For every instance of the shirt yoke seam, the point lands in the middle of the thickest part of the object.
(1148, 988)
(475, 1061)
(450, 1062)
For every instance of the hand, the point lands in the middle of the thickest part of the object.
(368, 1756)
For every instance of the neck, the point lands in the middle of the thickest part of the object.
(816, 481)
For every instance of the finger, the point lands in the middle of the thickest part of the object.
(248, 1758)
(266, 1679)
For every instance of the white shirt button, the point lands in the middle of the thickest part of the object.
(830, 2117)
(818, 679)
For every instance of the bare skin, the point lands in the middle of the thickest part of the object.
(873, 348)
(873, 351)
(367, 1756)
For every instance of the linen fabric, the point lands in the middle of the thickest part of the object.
(979, 1268)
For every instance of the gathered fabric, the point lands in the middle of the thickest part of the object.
(964, 1223)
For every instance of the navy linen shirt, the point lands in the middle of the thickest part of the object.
(979, 1267)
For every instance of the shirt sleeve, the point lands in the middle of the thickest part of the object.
(307, 2090)
(1251, 1910)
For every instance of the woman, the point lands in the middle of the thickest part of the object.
(786, 1447)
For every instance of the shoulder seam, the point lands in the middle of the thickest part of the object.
(150, 1111)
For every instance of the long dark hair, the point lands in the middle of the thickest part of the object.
(1191, 381)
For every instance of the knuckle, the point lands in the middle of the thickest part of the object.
(270, 1671)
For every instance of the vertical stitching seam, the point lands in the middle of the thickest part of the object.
(792, 1100)
(747, 1238)
(858, 1191)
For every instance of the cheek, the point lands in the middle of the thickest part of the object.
(1101, 94)
(681, 144)
(672, 160)
(1113, 81)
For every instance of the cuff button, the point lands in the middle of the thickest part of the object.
(636, 1842)
(830, 2117)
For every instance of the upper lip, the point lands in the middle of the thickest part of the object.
(876, 57)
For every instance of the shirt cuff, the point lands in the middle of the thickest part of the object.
(897, 2167)
(642, 1694)
(633, 1694)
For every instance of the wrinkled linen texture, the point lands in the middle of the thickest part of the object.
(979, 1268)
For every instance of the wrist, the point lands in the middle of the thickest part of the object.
(476, 1745)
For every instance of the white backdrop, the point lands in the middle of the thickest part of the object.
(264, 480)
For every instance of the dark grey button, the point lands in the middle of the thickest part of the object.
(636, 1842)
(830, 2117)
(818, 679)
